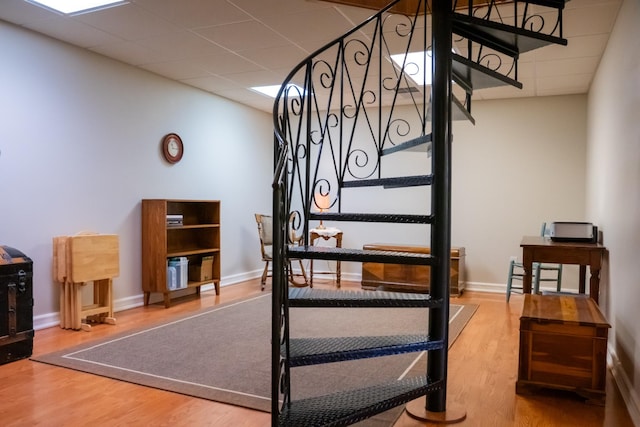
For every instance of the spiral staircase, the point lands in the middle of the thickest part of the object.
(339, 116)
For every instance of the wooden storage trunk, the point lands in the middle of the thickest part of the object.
(16, 305)
(409, 278)
(563, 345)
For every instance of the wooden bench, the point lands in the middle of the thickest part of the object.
(563, 345)
(409, 278)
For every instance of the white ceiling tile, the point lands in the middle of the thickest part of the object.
(226, 63)
(584, 3)
(263, 8)
(211, 83)
(128, 21)
(321, 25)
(244, 95)
(356, 15)
(248, 97)
(129, 53)
(525, 70)
(591, 45)
(243, 43)
(575, 83)
(182, 45)
(276, 57)
(586, 65)
(20, 12)
(596, 19)
(563, 91)
(194, 13)
(176, 70)
(71, 31)
(257, 78)
(243, 35)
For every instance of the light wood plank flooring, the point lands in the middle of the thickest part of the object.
(482, 373)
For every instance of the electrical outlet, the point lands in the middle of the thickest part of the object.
(513, 258)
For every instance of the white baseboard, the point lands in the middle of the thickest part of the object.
(241, 277)
(44, 321)
(53, 319)
(625, 385)
(494, 288)
(49, 320)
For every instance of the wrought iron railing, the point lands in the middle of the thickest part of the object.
(338, 109)
(358, 98)
(349, 103)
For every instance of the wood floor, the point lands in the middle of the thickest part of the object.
(482, 374)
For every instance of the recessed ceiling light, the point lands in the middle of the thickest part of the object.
(69, 7)
(273, 90)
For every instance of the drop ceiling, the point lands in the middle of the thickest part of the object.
(226, 47)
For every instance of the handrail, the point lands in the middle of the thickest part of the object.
(278, 132)
(279, 170)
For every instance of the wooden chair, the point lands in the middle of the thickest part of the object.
(516, 272)
(265, 233)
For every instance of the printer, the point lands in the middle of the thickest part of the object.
(573, 232)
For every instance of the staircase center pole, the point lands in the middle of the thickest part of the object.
(441, 197)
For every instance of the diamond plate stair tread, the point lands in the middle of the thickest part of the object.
(311, 351)
(308, 297)
(372, 217)
(393, 182)
(358, 255)
(348, 407)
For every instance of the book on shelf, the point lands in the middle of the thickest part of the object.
(177, 273)
(174, 220)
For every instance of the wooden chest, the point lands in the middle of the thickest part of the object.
(563, 345)
(409, 278)
(16, 305)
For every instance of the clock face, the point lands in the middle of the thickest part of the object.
(172, 148)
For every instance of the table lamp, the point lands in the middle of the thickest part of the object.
(323, 203)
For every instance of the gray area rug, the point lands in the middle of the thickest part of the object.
(223, 353)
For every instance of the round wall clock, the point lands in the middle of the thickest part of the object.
(172, 148)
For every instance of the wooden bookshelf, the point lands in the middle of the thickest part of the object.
(196, 237)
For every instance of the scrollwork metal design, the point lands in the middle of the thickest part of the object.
(342, 107)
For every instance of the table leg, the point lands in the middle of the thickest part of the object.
(527, 264)
(582, 281)
(313, 236)
(338, 271)
(311, 273)
(594, 284)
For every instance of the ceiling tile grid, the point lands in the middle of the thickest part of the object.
(227, 46)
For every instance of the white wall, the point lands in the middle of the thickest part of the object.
(80, 148)
(613, 192)
(522, 164)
